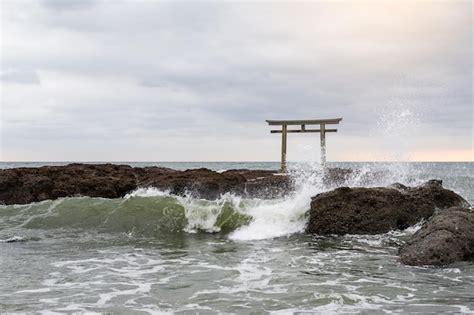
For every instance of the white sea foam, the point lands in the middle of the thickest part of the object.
(274, 218)
(14, 238)
(147, 192)
(202, 214)
(141, 288)
(40, 290)
(284, 216)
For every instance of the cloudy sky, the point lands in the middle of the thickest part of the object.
(194, 81)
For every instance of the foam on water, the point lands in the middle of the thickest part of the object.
(14, 238)
(147, 192)
(284, 216)
(294, 274)
(270, 218)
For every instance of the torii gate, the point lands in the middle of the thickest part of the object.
(303, 123)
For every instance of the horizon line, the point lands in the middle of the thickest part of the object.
(249, 161)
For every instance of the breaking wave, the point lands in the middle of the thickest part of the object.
(152, 212)
(135, 214)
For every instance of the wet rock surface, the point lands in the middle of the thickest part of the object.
(377, 210)
(26, 185)
(446, 238)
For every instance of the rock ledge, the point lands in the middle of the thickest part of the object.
(26, 185)
(377, 210)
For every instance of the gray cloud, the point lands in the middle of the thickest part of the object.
(20, 76)
(139, 72)
(67, 4)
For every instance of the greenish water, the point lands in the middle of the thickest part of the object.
(152, 252)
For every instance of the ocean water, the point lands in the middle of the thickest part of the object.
(152, 253)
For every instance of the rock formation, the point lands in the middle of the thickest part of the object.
(446, 238)
(25, 185)
(377, 210)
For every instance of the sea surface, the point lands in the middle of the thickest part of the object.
(152, 253)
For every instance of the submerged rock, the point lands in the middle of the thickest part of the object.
(446, 238)
(377, 210)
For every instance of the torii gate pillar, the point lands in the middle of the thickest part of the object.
(303, 123)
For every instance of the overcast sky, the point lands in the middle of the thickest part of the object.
(195, 81)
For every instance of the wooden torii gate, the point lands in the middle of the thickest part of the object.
(303, 123)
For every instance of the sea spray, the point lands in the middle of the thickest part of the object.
(393, 130)
(395, 126)
(287, 215)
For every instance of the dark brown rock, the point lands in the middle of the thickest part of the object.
(377, 210)
(25, 185)
(446, 238)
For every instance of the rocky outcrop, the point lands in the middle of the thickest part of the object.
(446, 238)
(377, 210)
(25, 185)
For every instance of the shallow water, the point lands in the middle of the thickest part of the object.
(152, 253)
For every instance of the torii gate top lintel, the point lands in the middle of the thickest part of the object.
(284, 130)
(331, 121)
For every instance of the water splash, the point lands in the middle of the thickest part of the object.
(395, 126)
(393, 133)
(288, 215)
